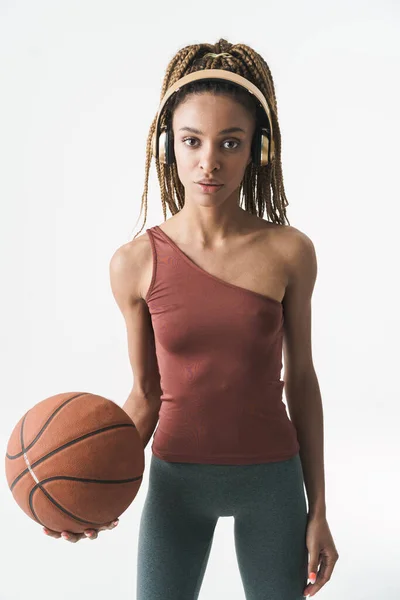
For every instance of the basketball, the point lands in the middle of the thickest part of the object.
(74, 461)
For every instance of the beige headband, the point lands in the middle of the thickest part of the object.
(215, 55)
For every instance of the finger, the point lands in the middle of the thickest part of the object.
(51, 533)
(312, 572)
(105, 527)
(110, 525)
(71, 537)
(91, 534)
(328, 565)
(310, 587)
(321, 580)
(113, 524)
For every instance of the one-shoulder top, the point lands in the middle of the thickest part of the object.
(219, 354)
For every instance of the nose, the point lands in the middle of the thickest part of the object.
(209, 160)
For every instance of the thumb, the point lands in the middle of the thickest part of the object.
(313, 566)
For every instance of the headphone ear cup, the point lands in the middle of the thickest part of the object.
(261, 148)
(256, 147)
(169, 147)
(264, 150)
(161, 145)
(166, 146)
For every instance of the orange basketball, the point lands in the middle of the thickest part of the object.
(74, 461)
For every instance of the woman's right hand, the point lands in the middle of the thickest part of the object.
(92, 534)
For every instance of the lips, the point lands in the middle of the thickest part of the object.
(206, 183)
(208, 188)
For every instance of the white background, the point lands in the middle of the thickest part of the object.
(80, 83)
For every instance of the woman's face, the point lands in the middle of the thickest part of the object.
(202, 151)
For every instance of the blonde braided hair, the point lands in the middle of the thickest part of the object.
(262, 187)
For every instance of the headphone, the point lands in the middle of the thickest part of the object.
(263, 146)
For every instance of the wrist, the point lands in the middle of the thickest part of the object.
(317, 514)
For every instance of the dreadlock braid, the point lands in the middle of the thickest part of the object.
(262, 187)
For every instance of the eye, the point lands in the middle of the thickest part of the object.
(226, 141)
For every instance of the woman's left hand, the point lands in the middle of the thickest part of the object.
(322, 552)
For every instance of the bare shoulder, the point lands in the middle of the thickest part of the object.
(299, 252)
(291, 238)
(129, 265)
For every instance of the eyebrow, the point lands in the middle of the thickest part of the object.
(229, 130)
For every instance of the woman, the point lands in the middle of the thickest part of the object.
(210, 300)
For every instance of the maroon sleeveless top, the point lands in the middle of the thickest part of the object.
(219, 353)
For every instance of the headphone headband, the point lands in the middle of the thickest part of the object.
(222, 75)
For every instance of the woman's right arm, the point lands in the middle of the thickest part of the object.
(143, 403)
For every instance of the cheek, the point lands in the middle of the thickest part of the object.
(185, 163)
(182, 164)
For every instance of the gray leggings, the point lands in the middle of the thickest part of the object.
(183, 504)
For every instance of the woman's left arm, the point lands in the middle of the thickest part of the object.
(304, 402)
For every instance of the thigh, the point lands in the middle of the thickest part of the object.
(174, 545)
(270, 532)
